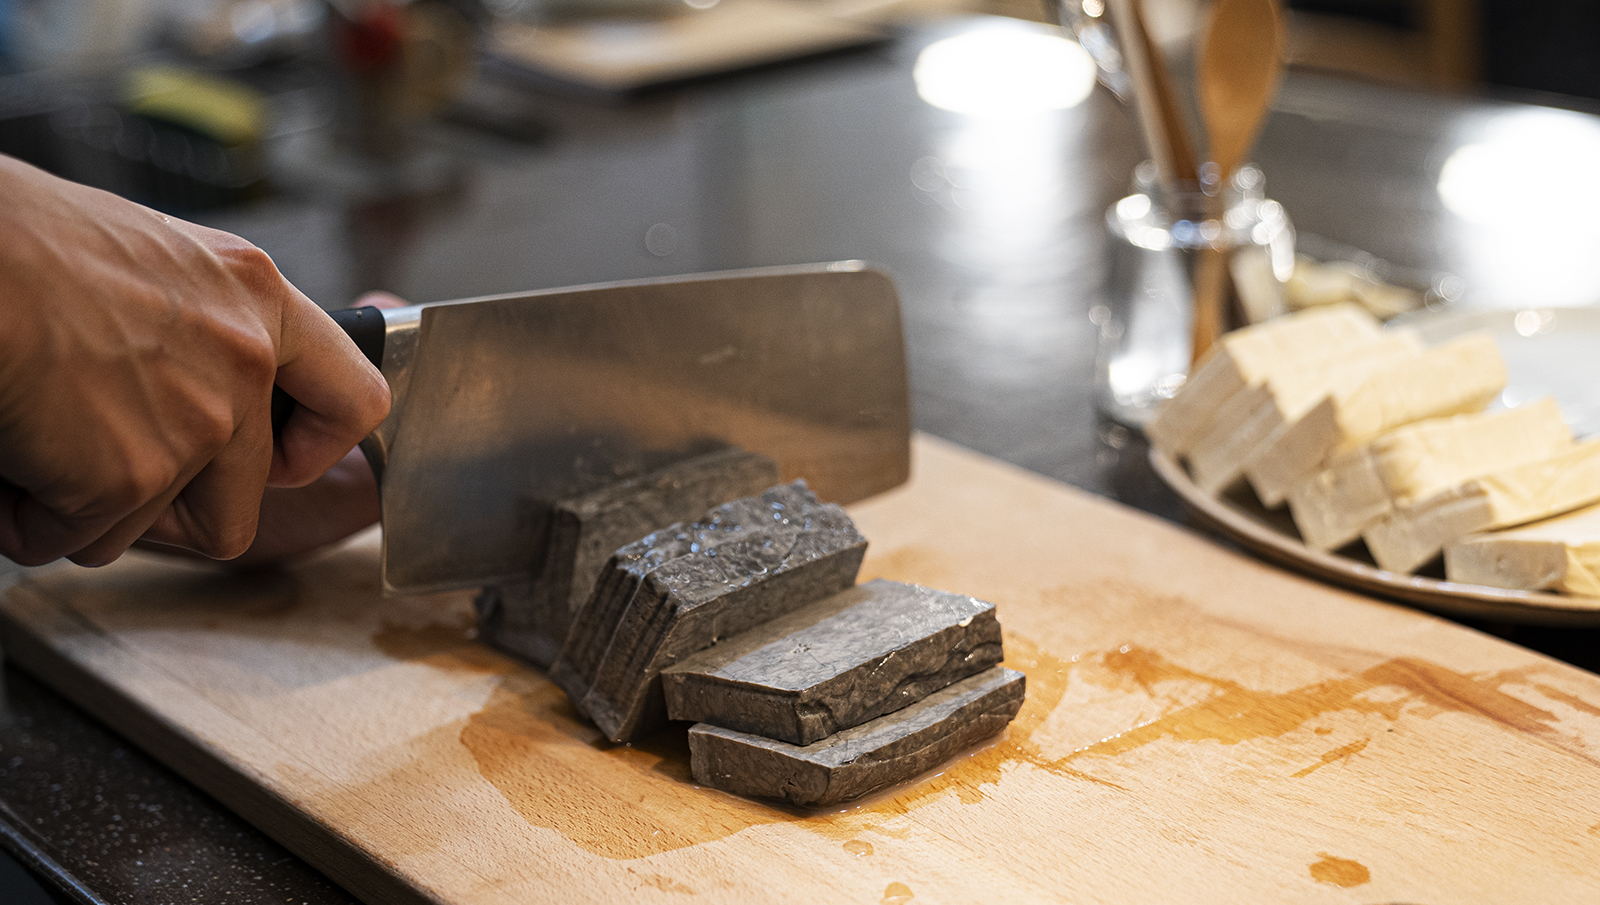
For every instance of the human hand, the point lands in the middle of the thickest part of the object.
(296, 521)
(136, 371)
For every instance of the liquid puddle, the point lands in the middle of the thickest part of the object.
(859, 848)
(1355, 747)
(897, 894)
(1571, 700)
(417, 643)
(1340, 871)
(641, 800)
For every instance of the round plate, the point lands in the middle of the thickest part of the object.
(1548, 352)
(1271, 535)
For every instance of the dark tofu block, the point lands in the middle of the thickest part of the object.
(890, 749)
(530, 619)
(837, 663)
(677, 591)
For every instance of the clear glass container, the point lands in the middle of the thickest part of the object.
(1146, 313)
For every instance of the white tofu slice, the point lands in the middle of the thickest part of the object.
(1454, 378)
(1256, 412)
(1559, 554)
(1411, 536)
(1333, 506)
(1244, 358)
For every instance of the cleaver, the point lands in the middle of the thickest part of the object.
(506, 404)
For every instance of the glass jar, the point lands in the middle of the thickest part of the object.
(1146, 315)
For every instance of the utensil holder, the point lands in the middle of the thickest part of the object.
(1154, 237)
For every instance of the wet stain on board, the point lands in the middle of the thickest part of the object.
(1235, 713)
(1340, 871)
(404, 642)
(537, 750)
(1571, 700)
(447, 644)
(896, 894)
(1337, 754)
(667, 884)
(539, 753)
(859, 848)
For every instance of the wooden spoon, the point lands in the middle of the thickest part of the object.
(1238, 75)
(1239, 70)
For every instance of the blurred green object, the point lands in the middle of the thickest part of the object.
(221, 109)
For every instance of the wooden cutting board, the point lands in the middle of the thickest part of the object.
(1199, 727)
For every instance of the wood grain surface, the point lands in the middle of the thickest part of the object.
(1199, 727)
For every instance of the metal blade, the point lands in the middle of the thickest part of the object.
(506, 404)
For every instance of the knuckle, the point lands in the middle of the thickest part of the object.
(226, 540)
(213, 431)
(252, 265)
(145, 479)
(374, 405)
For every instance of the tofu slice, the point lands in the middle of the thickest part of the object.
(1411, 536)
(1559, 554)
(1333, 506)
(1256, 412)
(1244, 358)
(1455, 378)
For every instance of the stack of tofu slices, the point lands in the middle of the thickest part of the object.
(1365, 434)
(746, 619)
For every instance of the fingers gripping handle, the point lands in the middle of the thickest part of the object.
(366, 326)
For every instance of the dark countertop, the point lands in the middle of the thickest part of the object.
(992, 229)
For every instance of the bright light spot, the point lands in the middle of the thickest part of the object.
(1527, 190)
(1003, 72)
(1541, 167)
(1133, 207)
(1094, 9)
(700, 4)
(1531, 322)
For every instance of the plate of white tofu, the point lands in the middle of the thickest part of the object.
(1446, 459)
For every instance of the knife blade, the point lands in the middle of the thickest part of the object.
(504, 405)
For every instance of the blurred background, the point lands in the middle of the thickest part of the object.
(181, 103)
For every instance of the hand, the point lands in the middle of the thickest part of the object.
(303, 519)
(136, 369)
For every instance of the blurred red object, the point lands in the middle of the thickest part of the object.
(369, 37)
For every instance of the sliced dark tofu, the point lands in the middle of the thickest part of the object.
(678, 591)
(890, 749)
(837, 663)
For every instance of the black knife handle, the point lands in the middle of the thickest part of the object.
(364, 325)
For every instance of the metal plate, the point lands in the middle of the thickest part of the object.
(513, 402)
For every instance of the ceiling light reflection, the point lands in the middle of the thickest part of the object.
(1527, 189)
(1004, 72)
